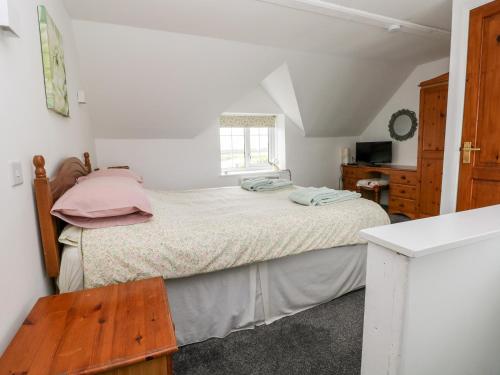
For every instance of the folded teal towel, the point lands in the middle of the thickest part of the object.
(265, 184)
(312, 196)
(276, 185)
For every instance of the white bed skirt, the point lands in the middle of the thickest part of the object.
(218, 303)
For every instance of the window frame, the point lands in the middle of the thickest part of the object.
(271, 153)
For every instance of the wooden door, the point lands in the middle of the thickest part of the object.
(433, 103)
(479, 180)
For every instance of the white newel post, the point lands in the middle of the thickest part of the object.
(433, 296)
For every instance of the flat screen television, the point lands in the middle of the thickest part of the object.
(374, 152)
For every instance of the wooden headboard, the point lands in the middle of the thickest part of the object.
(47, 191)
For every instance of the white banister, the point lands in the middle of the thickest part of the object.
(433, 296)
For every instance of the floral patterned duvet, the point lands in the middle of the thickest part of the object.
(206, 230)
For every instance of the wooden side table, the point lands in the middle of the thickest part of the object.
(118, 329)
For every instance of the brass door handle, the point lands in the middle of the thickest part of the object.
(467, 149)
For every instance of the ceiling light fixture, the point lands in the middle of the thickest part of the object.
(393, 28)
(390, 24)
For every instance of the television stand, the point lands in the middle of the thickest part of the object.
(365, 164)
(402, 184)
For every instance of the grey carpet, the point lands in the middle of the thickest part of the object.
(396, 218)
(323, 340)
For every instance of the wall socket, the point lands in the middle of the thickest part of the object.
(16, 173)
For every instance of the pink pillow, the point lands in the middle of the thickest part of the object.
(104, 202)
(113, 172)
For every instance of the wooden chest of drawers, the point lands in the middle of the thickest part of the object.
(404, 191)
(402, 185)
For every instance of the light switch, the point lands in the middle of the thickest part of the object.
(81, 97)
(16, 171)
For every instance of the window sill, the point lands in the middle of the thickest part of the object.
(249, 173)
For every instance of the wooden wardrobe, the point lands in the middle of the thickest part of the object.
(432, 127)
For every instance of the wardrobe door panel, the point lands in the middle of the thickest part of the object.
(432, 127)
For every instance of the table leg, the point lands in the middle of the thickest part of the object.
(376, 191)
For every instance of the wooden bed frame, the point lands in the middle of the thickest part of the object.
(47, 191)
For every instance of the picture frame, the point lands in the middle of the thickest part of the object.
(54, 69)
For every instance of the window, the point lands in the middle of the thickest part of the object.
(245, 147)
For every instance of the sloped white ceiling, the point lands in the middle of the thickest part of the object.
(339, 96)
(262, 23)
(435, 13)
(152, 84)
(279, 86)
(256, 101)
(168, 68)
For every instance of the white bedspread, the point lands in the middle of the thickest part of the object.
(199, 231)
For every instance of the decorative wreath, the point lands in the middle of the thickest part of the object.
(411, 132)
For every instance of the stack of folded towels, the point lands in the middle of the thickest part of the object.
(312, 196)
(265, 184)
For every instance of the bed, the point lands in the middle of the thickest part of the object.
(231, 259)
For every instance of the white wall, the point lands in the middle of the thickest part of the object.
(28, 128)
(168, 163)
(456, 93)
(195, 163)
(408, 97)
(315, 161)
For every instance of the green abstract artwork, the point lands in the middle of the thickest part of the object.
(54, 71)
